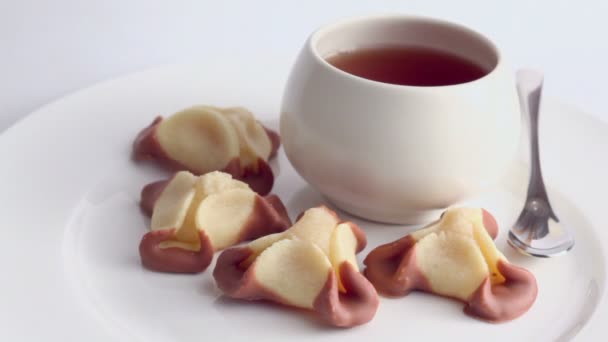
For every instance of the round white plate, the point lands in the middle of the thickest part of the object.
(71, 227)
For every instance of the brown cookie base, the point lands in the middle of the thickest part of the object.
(392, 268)
(506, 301)
(150, 194)
(275, 140)
(232, 276)
(174, 259)
(356, 306)
(260, 180)
(269, 216)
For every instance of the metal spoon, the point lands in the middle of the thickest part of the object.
(537, 231)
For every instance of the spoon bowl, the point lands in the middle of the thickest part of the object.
(537, 233)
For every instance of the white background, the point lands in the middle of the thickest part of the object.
(51, 48)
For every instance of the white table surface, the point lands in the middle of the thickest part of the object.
(51, 48)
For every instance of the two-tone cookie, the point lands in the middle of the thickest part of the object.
(194, 216)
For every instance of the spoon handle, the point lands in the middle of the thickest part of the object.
(529, 87)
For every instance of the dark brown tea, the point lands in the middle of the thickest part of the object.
(407, 65)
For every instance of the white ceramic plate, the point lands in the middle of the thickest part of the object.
(71, 227)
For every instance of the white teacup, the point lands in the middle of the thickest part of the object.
(395, 153)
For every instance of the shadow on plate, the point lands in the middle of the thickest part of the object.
(264, 309)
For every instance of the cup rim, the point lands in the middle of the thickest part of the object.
(325, 29)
